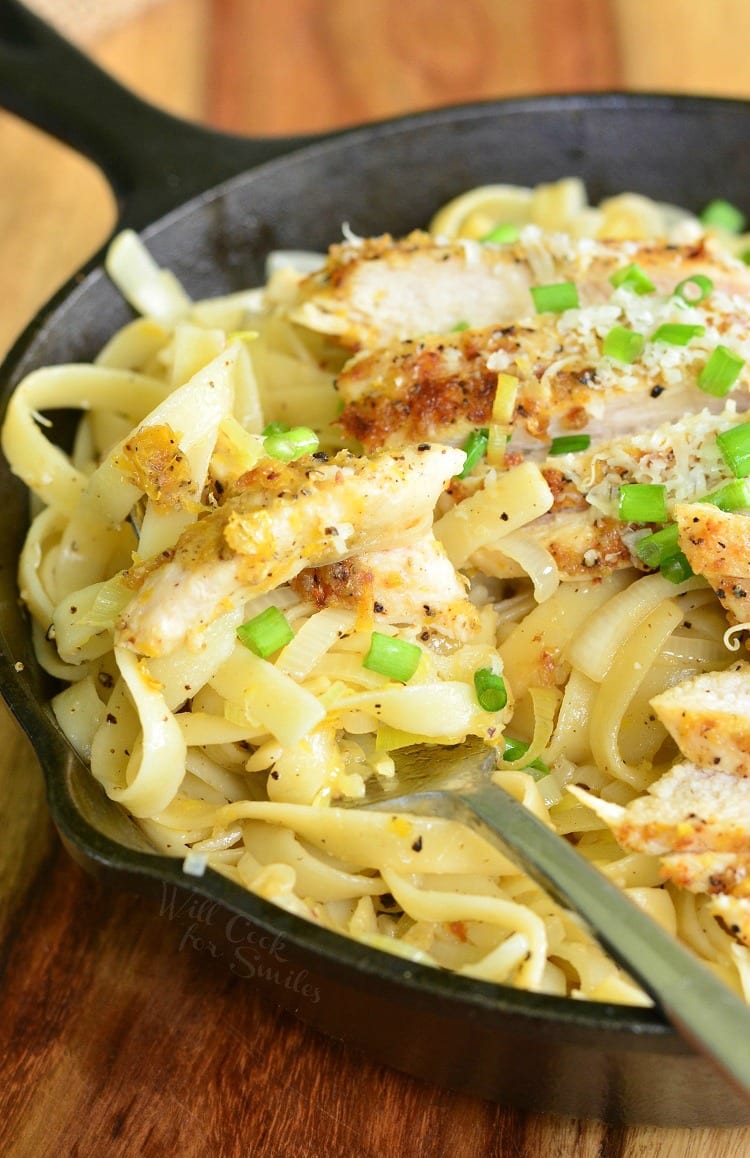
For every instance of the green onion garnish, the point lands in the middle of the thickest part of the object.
(514, 750)
(623, 344)
(643, 503)
(733, 496)
(553, 299)
(396, 658)
(501, 234)
(720, 372)
(632, 277)
(703, 287)
(676, 568)
(289, 445)
(266, 633)
(723, 215)
(490, 689)
(459, 327)
(569, 443)
(677, 334)
(475, 448)
(662, 548)
(655, 549)
(734, 445)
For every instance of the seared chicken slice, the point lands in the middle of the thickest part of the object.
(722, 876)
(690, 809)
(443, 386)
(697, 816)
(709, 718)
(416, 584)
(582, 532)
(583, 544)
(717, 545)
(278, 519)
(380, 290)
(713, 873)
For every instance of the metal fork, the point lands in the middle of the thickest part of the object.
(455, 783)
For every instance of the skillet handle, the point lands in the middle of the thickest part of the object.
(152, 160)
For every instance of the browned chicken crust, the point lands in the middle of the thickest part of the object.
(717, 545)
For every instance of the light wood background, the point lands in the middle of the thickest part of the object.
(113, 1039)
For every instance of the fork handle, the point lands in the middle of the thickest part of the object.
(700, 1006)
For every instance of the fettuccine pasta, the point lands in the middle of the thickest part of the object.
(236, 759)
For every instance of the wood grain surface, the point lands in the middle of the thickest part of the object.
(117, 1037)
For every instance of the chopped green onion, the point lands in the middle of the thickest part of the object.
(266, 633)
(459, 327)
(291, 444)
(720, 372)
(396, 658)
(734, 445)
(632, 277)
(276, 428)
(723, 215)
(733, 496)
(514, 750)
(475, 448)
(677, 334)
(553, 299)
(643, 503)
(569, 443)
(623, 344)
(655, 549)
(703, 285)
(676, 568)
(490, 689)
(501, 234)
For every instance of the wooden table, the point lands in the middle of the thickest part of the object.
(116, 1037)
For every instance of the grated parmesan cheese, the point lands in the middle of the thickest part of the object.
(682, 456)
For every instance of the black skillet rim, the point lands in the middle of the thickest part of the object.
(634, 1027)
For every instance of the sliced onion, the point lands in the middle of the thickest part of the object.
(536, 561)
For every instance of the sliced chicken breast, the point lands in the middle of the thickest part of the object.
(279, 519)
(582, 544)
(415, 584)
(379, 290)
(690, 809)
(443, 386)
(717, 545)
(697, 816)
(713, 873)
(709, 718)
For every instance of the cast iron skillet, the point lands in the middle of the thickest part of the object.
(210, 207)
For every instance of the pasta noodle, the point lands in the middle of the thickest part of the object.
(238, 759)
